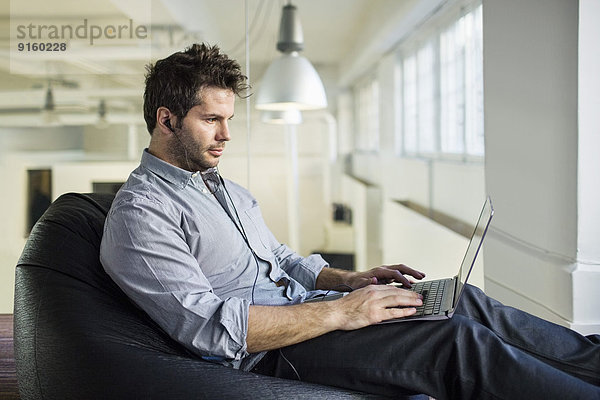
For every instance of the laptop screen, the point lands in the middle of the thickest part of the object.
(474, 246)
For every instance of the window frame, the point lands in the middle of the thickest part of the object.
(367, 124)
(435, 31)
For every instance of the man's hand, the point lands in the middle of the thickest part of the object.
(384, 275)
(373, 304)
(341, 280)
(272, 327)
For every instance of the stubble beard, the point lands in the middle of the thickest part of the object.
(190, 156)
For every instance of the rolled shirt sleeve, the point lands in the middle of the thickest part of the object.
(305, 270)
(145, 251)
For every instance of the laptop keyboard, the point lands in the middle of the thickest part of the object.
(432, 292)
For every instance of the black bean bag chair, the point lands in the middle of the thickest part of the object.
(77, 336)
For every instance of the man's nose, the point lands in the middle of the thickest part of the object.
(223, 133)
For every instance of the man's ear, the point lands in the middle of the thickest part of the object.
(165, 120)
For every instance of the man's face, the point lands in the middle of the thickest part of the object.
(201, 140)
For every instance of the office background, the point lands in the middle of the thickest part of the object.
(432, 105)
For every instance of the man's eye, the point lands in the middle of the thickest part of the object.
(211, 120)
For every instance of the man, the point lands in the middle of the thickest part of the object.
(193, 251)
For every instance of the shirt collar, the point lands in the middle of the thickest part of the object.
(169, 172)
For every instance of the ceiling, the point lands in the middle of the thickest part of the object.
(111, 68)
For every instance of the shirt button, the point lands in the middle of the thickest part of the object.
(195, 174)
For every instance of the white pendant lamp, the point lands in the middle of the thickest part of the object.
(291, 82)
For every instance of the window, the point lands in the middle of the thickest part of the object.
(452, 95)
(426, 93)
(367, 115)
(441, 85)
(474, 82)
(409, 97)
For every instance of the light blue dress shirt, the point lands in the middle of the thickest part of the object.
(172, 248)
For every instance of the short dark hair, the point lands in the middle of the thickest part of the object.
(176, 82)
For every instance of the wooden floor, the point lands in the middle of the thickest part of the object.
(8, 375)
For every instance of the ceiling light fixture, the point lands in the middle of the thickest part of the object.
(49, 104)
(102, 122)
(291, 82)
(49, 116)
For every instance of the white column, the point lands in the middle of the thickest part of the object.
(292, 187)
(132, 148)
(541, 101)
(586, 277)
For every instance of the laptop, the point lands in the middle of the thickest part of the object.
(441, 297)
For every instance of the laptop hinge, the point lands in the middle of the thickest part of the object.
(448, 300)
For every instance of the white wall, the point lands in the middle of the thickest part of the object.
(39, 139)
(365, 201)
(535, 161)
(116, 142)
(589, 130)
(588, 239)
(80, 176)
(13, 223)
(22, 149)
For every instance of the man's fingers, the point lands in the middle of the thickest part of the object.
(400, 312)
(386, 274)
(402, 279)
(397, 303)
(405, 269)
(395, 273)
(389, 273)
(391, 296)
(376, 303)
(398, 272)
(404, 298)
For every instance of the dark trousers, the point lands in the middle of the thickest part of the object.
(486, 351)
